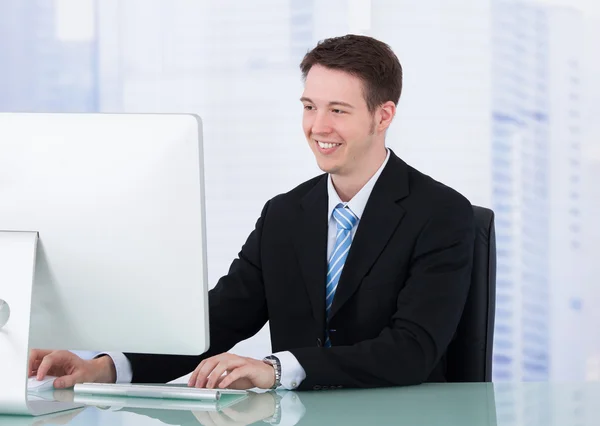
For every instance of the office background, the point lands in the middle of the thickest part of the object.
(501, 101)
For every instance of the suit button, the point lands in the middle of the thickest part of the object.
(317, 387)
(319, 343)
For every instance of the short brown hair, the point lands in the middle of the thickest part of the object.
(369, 59)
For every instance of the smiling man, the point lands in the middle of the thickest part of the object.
(362, 272)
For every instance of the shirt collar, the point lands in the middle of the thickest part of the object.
(358, 203)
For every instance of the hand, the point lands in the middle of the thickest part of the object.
(242, 373)
(70, 369)
(256, 407)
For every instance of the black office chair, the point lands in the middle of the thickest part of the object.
(469, 356)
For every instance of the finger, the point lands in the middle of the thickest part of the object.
(35, 356)
(219, 380)
(221, 368)
(242, 383)
(201, 374)
(54, 364)
(204, 371)
(46, 364)
(31, 362)
(67, 381)
(194, 376)
(238, 373)
(34, 367)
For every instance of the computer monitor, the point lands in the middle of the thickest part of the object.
(102, 238)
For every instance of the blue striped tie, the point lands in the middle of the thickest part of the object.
(346, 220)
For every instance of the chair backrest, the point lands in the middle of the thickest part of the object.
(469, 356)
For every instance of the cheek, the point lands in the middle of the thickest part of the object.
(351, 133)
(306, 125)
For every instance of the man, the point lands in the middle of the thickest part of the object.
(363, 272)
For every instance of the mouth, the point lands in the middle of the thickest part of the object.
(327, 147)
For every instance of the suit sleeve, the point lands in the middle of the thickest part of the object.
(237, 311)
(429, 308)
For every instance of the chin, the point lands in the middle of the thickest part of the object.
(328, 167)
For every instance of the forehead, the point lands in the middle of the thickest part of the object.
(327, 85)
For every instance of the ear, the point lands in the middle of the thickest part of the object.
(385, 115)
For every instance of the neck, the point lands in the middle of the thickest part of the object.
(347, 186)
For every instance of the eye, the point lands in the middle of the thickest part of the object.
(338, 111)
(308, 107)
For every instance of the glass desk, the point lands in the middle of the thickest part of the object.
(504, 404)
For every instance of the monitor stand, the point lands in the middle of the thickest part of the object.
(17, 270)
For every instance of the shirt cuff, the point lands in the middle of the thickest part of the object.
(122, 366)
(292, 373)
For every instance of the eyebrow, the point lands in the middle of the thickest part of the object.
(332, 103)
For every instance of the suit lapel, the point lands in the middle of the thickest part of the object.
(379, 221)
(311, 247)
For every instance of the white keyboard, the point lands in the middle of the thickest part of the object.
(168, 391)
(156, 403)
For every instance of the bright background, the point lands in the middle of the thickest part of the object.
(501, 101)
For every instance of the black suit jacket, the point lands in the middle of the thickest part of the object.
(398, 302)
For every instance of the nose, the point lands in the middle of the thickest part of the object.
(321, 124)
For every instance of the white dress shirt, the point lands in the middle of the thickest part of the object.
(292, 373)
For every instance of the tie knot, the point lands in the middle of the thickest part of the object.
(344, 217)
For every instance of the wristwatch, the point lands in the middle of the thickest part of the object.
(274, 361)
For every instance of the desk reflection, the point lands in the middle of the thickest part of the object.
(459, 404)
(466, 404)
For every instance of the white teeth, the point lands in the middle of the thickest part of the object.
(327, 145)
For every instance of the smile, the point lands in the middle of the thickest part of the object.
(327, 145)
